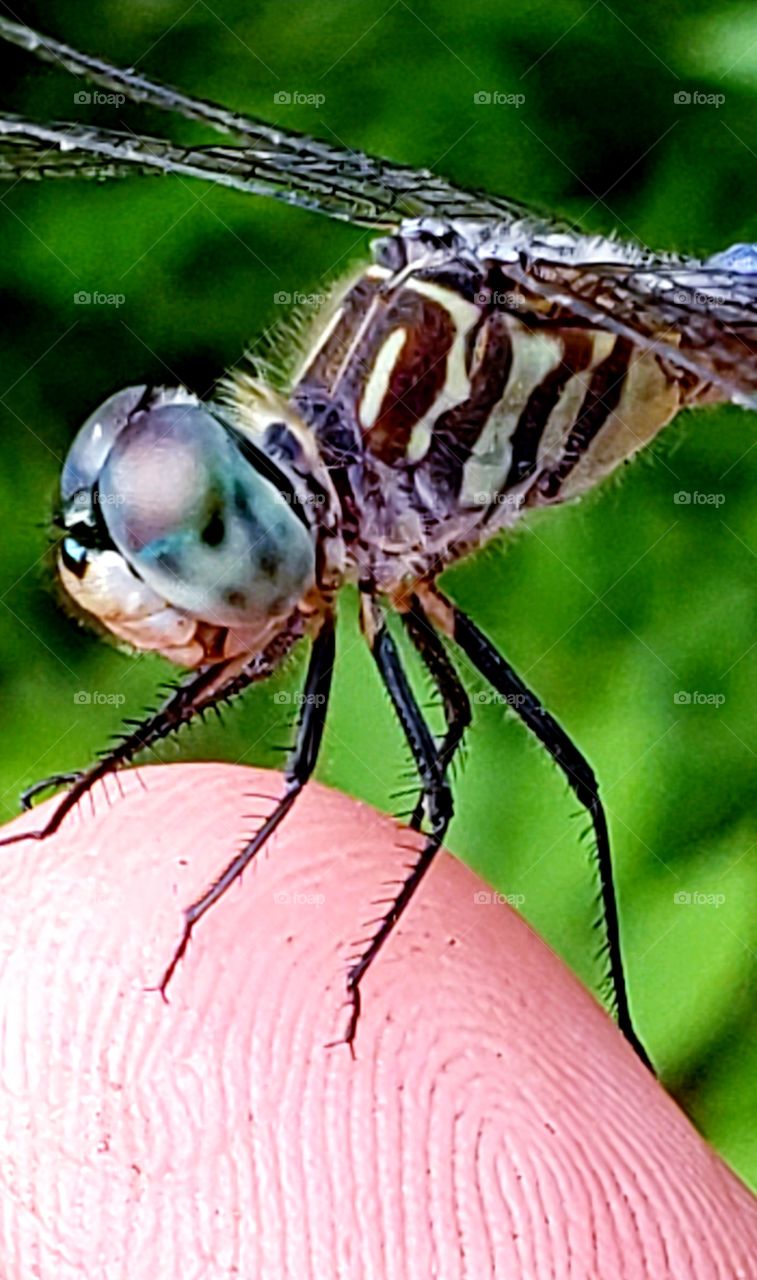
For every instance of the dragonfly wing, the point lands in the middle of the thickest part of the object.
(345, 184)
(29, 150)
(713, 313)
(700, 318)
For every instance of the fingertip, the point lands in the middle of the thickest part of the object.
(492, 1116)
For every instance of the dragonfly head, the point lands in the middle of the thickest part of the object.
(185, 532)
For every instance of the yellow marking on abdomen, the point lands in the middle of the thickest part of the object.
(456, 387)
(379, 378)
(534, 355)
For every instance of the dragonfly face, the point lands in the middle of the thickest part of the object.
(487, 362)
(185, 534)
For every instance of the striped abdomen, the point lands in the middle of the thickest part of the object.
(483, 408)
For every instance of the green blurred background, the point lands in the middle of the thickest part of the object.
(608, 608)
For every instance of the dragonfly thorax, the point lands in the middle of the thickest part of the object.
(448, 398)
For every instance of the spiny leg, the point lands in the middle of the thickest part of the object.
(300, 766)
(457, 710)
(45, 784)
(194, 695)
(501, 676)
(436, 795)
(178, 708)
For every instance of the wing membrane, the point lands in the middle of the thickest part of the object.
(303, 171)
(702, 319)
(29, 150)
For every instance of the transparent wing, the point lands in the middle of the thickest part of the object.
(344, 184)
(700, 317)
(29, 150)
(23, 156)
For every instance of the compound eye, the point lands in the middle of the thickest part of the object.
(199, 523)
(93, 442)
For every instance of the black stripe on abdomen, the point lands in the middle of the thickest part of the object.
(601, 400)
(456, 431)
(577, 352)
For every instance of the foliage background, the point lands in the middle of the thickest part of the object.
(607, 608)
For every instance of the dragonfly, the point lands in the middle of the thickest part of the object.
(487, 362)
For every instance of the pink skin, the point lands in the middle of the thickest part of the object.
(495, 1123)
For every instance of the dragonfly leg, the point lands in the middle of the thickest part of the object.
(45, 784)
(437, 806)
(580, 776)
(194, 695)
(183, 703)
(455, 701)
(300, 766)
